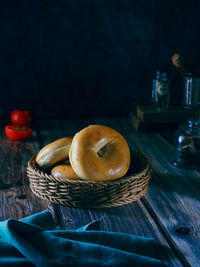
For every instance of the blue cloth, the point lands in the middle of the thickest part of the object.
(38, 241)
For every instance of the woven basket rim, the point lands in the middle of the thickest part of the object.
(138, 175)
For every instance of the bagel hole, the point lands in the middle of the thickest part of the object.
(102, 151)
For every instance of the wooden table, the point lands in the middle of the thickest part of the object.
(169, 212)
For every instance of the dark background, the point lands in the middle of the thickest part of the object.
(79, 58)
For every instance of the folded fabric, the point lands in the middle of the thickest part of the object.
(38, 241)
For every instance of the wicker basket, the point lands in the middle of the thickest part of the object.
(89, 194)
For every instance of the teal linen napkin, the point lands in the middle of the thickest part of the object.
(38, 241)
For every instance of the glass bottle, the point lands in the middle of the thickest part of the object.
(186, 152)
(160, 91)
(192, 92)
(155, 80)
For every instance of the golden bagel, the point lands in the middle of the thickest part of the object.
(54, 152)
(64, 171)
(99, 153)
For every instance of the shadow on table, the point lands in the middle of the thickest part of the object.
(186, 185)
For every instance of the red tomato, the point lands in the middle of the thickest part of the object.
(21, 117)
(17, 133)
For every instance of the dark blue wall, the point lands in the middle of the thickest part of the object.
(91, 57)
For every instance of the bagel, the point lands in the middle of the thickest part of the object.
(64, 171)
(99, 153)
(54, 152)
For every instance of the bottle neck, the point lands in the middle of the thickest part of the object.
(157, 74)
(163, 76)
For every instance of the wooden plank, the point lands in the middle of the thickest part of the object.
(151, 126)
(16, 198)
(74, 218)
(168, 135)
(148, 114)
(18, 202)
(13, 159)
(173, 195)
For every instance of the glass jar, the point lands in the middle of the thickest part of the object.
(160, 92)
(191, 92)
(186, 153)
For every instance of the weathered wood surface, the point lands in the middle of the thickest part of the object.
(168, 135)
(13, 159)
(19, 202)
(169, 212)
(16, 199)
(173, 198)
